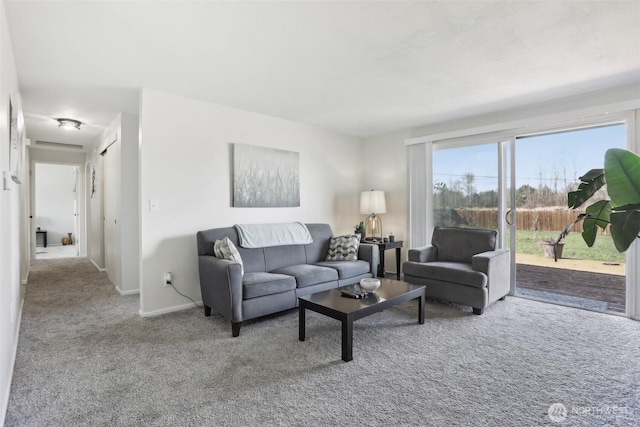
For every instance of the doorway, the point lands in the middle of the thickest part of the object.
(547, 167)
(55, 211)
(518, 186)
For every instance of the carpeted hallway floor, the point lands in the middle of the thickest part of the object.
(85, 358)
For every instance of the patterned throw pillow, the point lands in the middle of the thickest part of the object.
(344, 248)
(225, 249)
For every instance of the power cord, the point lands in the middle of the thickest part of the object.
(186, 296)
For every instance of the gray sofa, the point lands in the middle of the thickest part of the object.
(274, 277)
(462, 265)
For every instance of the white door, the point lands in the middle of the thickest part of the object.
(111, 211)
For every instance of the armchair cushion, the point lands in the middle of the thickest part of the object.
(460, 244)
(452, 272)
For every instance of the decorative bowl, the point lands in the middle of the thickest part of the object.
(369, 285)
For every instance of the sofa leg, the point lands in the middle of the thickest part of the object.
(235, 328)
(478, 311)
(502, 299)
(207, 310)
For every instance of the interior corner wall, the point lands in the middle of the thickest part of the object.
(388, 151)
(94, 178)
(10, 243)
(117, 199)
(130, 204)
(185, 165)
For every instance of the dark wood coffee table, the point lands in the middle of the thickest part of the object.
(331, 303)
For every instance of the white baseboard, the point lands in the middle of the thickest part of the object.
(167, 310)
(12, 364)
(131, 292)
(25, 281)
(100, 269)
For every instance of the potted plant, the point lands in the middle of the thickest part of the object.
(621, 174)
(361, 230)
(552, 248)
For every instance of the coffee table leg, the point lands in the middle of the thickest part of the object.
(301, 322)
(421, 309)
(347, 340)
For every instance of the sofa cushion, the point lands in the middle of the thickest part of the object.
(344, 248)
(455, 272)
(225, 249)
(347, 269)
(307, 274)
(317, 251)
(283, 256)
(261, 284)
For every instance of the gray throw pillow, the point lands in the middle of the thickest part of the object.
(344, 248)
(225, 249)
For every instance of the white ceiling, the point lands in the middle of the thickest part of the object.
(360, 68)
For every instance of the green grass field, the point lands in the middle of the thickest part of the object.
(528, 242)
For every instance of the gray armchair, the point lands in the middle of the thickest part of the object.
(462, 265)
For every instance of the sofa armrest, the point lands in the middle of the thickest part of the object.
(497, 266)
(423, 254)
(221, 286)
(370, 253)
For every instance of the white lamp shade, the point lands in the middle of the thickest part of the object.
(372, 202)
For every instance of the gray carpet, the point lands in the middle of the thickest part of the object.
(85, 357)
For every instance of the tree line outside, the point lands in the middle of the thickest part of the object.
(463, 193)
(543, 213)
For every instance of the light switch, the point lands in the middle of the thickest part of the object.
(154, 205)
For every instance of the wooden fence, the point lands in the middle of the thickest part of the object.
(526, 219)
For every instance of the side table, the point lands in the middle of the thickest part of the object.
(383, 246)
(44, 236)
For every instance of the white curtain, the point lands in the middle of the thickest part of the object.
(420, 194)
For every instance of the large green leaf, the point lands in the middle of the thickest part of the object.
(591, 182)
(597, 216)
(625, 227)
(622, 173)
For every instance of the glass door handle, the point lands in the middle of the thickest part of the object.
(506, 217)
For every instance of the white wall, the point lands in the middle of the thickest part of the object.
(185, 165)
(55, 194)
(10, 224)
(388, 153)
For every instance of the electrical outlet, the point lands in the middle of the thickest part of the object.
(167, 279)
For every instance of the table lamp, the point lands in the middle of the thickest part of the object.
(373, 203)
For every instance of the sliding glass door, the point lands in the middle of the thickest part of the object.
(465, 186)
(547, 166)
(518, 186)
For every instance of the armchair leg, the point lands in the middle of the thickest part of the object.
(478, 311)
(207, 310)
(235, 328)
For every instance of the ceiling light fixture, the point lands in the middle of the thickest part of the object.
(69, 123)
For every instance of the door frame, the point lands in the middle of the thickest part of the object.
(80, 219)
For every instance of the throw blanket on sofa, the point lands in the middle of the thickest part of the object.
(265, 235)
